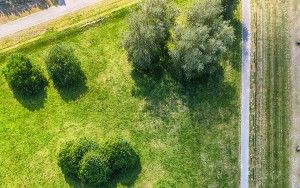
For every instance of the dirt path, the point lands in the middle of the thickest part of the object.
(294, 12)
(245, 94)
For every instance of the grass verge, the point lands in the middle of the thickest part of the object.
(186, 136)
(270, 95)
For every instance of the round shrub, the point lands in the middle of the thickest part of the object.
(64, 67)
(121, 155)
(71, 154)
(23, 76)
(94, 168)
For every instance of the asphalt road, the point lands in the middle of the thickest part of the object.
(245, 94)
(65, 7)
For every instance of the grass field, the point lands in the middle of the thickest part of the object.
(270, 95)
(186, 136)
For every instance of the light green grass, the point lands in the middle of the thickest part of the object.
(270, 167)
(186, 137)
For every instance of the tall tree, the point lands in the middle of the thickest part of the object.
(200, 44)
(148, 34)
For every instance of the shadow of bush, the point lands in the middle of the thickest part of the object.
(31, 102)
(125, 179)
(74, 92)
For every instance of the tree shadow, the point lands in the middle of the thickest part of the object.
(126, 179)
(164, 95)
(32, 103)
(229, 7)
(234, 56)
(16, 8)
(156, 88)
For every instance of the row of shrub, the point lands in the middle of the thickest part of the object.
(27, 78)
(192, 50)
(93, 164)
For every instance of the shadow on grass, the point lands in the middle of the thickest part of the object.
(164, 95)
(234, 56)
(17, 7)
(32, 103)
(127, 179)
(72, 93)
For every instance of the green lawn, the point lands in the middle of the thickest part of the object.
(186, 137)
(270, 95)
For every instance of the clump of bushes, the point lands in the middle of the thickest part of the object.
(94, 168)
(64, 67)
(23, 76)
(71, 154)
(121, 155)
(92, 164)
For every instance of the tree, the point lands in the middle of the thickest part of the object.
(23, 76)
(200, 44)
(64, 67)
(148, 34)
(72, 153)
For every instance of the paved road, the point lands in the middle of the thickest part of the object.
(245, 98)
(66, 7)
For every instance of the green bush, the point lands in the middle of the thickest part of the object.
(121, 156)
(92, 164)
(71, 154)
(64, 67)
(23, 76)
(94, 168)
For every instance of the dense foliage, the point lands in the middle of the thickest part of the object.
(121, 155)
(94, 168)
(71, 154)
(92, 164)
(149, 32)
(64, 67)
(200, 44)
(23, 76)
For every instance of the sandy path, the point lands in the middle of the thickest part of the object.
(294, 12)
(245, 94)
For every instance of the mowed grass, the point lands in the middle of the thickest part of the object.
(271, 119)
(186, 136)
